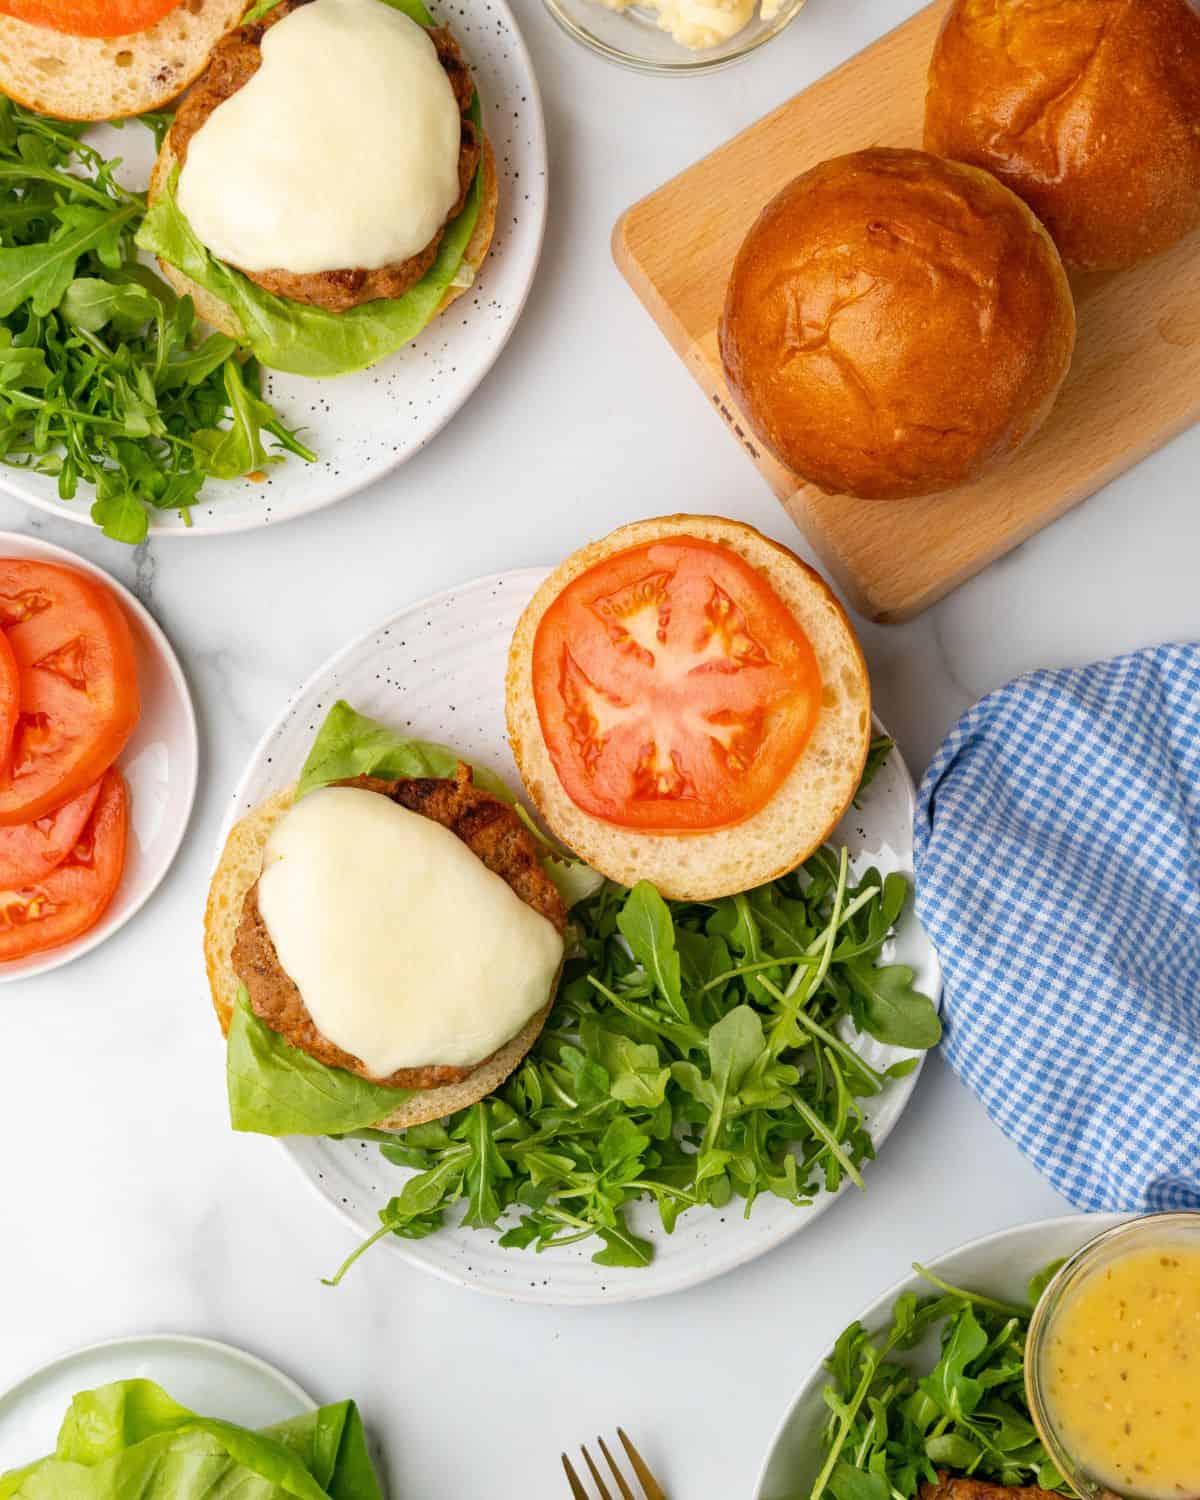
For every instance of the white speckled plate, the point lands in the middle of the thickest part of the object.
(161, 765)
(1000, 1264)
(215, 1380)
(436, 670)
(364, 425)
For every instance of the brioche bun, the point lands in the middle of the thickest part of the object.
(237, 870)
(894, 324)
(817, 790)
(1089, 109)
(105, 78)
(222, 317)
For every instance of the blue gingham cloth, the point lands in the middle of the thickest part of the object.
(1058, 874)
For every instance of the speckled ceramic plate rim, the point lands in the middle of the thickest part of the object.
(15, 544)
(659, 1279)
(363, 477)
(1002, 1241)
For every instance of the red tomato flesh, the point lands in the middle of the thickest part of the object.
(29, 851)
(78, 685)
(72, 898)
(90, 17)
(674, 688)
(10, 699)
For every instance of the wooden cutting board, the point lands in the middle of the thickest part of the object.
(1134, 385)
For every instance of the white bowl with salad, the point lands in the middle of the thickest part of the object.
(978, 1299)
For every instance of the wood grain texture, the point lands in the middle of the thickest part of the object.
(1134, 385)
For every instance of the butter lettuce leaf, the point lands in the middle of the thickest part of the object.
(349, 744)
(276, 1089)
(291, 336)
(130, 1438)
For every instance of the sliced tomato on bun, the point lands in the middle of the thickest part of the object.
(78, 685)
(674, 688)
(90, 17)
(72, 898)
(687, 704)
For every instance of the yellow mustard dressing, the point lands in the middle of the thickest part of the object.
(1121, 1372)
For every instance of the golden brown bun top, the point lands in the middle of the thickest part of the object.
(1090, 109)
(894, 322)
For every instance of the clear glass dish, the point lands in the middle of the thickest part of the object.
(1153, 1230)
(634, 39)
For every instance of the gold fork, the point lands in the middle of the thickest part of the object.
(651, 1489)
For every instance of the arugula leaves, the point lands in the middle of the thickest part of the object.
(104, 375)
(890, 1428)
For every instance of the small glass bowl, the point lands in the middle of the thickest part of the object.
(634, 39)
(1139, 1234)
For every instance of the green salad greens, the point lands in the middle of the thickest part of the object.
(697, 1053)
(131, 1439)
(104, 374)
(288, 335)
(891, 1429)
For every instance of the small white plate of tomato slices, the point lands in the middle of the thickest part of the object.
(99, 756)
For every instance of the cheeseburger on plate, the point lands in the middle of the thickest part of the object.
(326, 188)
(394, 945)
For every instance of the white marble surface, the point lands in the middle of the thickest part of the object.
(127, 1205)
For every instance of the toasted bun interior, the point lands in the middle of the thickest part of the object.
(221, 316)
(237, 870)
(1086, 108)
(894, 324)
(105, 78)
(806, 808)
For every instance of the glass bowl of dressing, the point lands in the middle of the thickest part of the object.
(674, 37)
(1112, 1362)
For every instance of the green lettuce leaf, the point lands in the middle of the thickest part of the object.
(349, 744)
(131, 1439)
(276, 1089)
(287, 335)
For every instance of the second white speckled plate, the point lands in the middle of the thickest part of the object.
(361, 426)
(436, 670)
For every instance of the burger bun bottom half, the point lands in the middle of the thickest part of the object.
(237, 870)
(813, 797)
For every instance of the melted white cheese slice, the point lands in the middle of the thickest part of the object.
(341, 151)
(408, 951)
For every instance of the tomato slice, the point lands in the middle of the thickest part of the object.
(29, 851)
(78, 685)
(10, 699)
(675, 689)
(90, 17)
(72, 898)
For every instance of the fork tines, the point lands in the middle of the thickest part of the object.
(651, 1489)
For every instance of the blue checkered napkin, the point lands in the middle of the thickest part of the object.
(1058, 874)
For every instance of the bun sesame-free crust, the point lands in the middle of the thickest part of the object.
(816, 792)
(895, 324)
(1089, 109)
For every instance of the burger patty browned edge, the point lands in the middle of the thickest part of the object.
(235, 60)
(492, 832)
